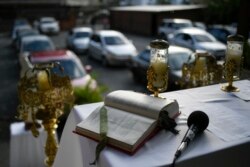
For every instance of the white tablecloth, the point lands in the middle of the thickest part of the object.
(25, 149)
(207, 150)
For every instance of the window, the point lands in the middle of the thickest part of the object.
(70, 69)
(187, 38)
(176, 60)
(113, 40)
(203, 38)
(145, 55)
(82, 34)
(96, 38)
(37, 46)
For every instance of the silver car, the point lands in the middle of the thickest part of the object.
(78, 39)
(198, 39)
(111, 47)
(168, 26)
(48, 25)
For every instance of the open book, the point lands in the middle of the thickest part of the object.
(132, 119)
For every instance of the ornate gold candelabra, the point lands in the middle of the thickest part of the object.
(233, 61)
(157, 74)
(203, 71)
(43, 96)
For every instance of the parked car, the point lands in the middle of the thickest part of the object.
(17, 28)
(200, 25)
(20, 21)
(177, 57)
(168, 26)
(34, 43)
(68, 60)
(24, 33)
(111, 47)
(78, 39)
(198, 39)
(48, 25)
(221, 32)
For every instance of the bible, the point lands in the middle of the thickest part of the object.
(132, 118)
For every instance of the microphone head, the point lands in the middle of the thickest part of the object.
(199, 119)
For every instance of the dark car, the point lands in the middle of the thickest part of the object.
(221, 32)
(177, 57)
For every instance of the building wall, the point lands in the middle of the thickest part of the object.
(147, 23)
(127, 22)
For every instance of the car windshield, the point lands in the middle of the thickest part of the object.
(71, 69)
(176, 60)
(114, 40)
(35, 46)
(203, 38)
(182, 25)
(82, 35)
(47, 22)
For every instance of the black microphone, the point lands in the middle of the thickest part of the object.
(197, 123)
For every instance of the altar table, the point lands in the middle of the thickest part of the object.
(216, 147)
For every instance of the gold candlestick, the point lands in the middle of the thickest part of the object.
(157, 74)
(43, 96)
(233, 62)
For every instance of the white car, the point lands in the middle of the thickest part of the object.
(18, 28)
(72, 66)
(78, 39)
(48, 25)
(111, 47)
(168, 26)
(198, 39)
(34, 43)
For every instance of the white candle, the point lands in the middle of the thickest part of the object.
(43, 81)
(234, 52)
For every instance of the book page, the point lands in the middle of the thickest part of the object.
(122, 126)
(140, 103)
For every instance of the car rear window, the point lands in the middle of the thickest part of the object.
(82, 34)
(176, 60)
(70, 68)
(35, 46)
(113, 40)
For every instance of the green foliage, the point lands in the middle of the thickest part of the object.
(85, 95)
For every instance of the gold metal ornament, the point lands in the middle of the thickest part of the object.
(43, 96)
(153, 77)
(203, 71)
(157, 73)
(233, 62)
(230, 67)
